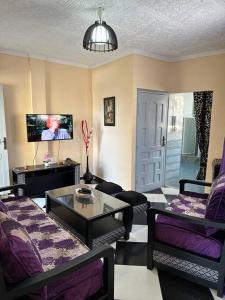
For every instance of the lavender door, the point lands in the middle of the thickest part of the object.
(152, 110)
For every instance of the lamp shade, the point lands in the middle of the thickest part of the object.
(100, 37)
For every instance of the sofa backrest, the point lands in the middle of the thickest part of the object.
(215, 209)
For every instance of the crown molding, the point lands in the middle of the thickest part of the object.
(137, 52)
(68, 63)
(42, 57)
(119, 56)
(179, 58)
(153, 55)
(199, 55)
(109, 60)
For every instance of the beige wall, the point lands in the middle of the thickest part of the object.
(117, 163)
(32, 85)
(69, 91)
(115, 147)
(151, 73)
(36, 86)
(15, 78)
(112, 153)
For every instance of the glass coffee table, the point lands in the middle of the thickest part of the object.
(91, 217)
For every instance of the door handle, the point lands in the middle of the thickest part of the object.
(4, 142)
(163, 143)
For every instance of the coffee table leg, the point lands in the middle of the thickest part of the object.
(48, 204)
(127, 220)
(89, 234)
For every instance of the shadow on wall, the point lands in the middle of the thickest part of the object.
(15, 123)
(98, 169)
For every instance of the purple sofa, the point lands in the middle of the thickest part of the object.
(41, 259)
(187, 238)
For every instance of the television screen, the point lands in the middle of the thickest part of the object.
(49, 127)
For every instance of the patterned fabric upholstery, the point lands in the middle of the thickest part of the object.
(18, 256)
(215, 209)
(56, 246)
(217, 186)
(187, 205)
(3, 208)
(183, 234)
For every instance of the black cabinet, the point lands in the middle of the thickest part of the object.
(39, 178)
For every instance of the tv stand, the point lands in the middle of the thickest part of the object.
(39, 178)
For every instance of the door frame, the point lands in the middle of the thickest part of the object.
(136, 123)
(7, 176)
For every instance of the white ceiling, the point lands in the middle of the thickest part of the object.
(168, 29)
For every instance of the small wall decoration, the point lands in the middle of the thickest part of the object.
(87, 133)
(109, 111)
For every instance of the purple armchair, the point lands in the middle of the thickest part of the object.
(187, 238)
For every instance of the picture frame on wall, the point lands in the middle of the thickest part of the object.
(109, 111)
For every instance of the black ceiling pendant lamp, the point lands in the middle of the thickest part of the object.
(100, 37)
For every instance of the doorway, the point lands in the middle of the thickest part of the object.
(152, 108)
(183, 156)
(4, 164)
(170, 128)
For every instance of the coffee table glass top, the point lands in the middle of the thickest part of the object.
(90, 206)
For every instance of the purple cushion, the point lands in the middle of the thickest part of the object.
(17, 252)
(78, 285)
(217, 185)
(222, 166)
(215, 209)
(188, 205)
(3, 208)
(183, 234)
(186, 236)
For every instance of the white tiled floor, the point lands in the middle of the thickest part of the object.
(170, 191)
(215, 295)
(39, 201)
(159, 198)
(139, 233)
(136, 283)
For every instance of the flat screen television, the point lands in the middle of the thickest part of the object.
(49, 127)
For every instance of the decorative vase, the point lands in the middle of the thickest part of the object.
(87, 175)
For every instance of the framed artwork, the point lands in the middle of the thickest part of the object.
(109, 111)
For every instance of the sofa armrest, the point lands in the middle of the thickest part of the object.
(194, 220)
(32, 284)
(182, 183)
(13, 188)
